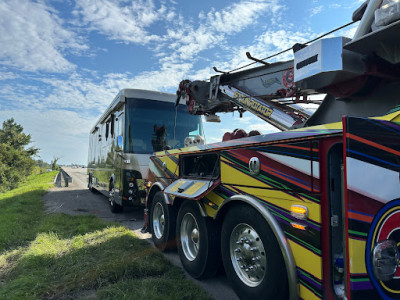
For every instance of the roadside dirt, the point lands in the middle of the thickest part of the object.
(76, 199)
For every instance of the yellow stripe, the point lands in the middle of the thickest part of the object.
(194, 188)
(331, 126)
(217, 200)
(394, 117)
(230, 175)
(178, 150)
(171, 165)
(305, 293)
(307, 260)
(285, 201)
(172, 151)
(176, 185)
(357, 256)
(211, 212)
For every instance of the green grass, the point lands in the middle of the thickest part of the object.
(56, 256)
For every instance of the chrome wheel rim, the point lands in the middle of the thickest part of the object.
(247, 255)
(111, 196)
(190, 237)
(158, 220)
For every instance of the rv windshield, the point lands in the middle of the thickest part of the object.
(150, 126)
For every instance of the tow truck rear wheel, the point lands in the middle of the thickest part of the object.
(163, 223)
(198, 241)
(252, 258)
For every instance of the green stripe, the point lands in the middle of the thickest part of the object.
(309, 197)
(299, 241)
(358, 233)
(310, 288)
(359, 279)
(308, 276)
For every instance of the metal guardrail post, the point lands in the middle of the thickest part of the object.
(66, 177)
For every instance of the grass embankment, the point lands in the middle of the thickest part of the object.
(56, 256)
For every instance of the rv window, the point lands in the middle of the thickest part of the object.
(149, 126)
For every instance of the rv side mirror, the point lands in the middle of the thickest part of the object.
(119, 143)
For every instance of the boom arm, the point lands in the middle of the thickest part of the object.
(263, 91)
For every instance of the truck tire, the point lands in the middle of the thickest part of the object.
(114, 207)
(198, 240)
(163, 223)
(252, 258)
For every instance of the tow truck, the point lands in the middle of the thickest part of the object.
(313, 211)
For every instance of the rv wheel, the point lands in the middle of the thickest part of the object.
(252, 258)
(90, 182)
(163, 222)
(114, 207)
(198, 241)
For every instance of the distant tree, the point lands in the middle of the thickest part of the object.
(41, 166)
(54, 165)
(16, 163)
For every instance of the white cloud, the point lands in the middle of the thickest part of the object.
(187, 41)
(122, 20)
(215, 131)
(349, 31)
(251, 122)
(180, 46)
(282, 39)
(265, 45)
(35, 38)
(262, 127)
(90, 95)
(335, 5)
(316, 10)
(7, 75)
(239, 15)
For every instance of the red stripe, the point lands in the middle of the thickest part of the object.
(368, 142)
(360, 217)
(346, 211)
(301, 148)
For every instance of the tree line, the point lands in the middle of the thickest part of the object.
(16, 161)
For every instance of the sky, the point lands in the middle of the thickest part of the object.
(62, 61)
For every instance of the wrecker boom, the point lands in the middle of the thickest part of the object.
(264, 91)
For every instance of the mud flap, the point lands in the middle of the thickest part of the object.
(371, 190)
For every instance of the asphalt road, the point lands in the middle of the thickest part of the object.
(76, 199)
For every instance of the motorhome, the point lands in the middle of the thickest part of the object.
(136, 124)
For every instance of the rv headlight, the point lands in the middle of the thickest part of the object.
(385, 258)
